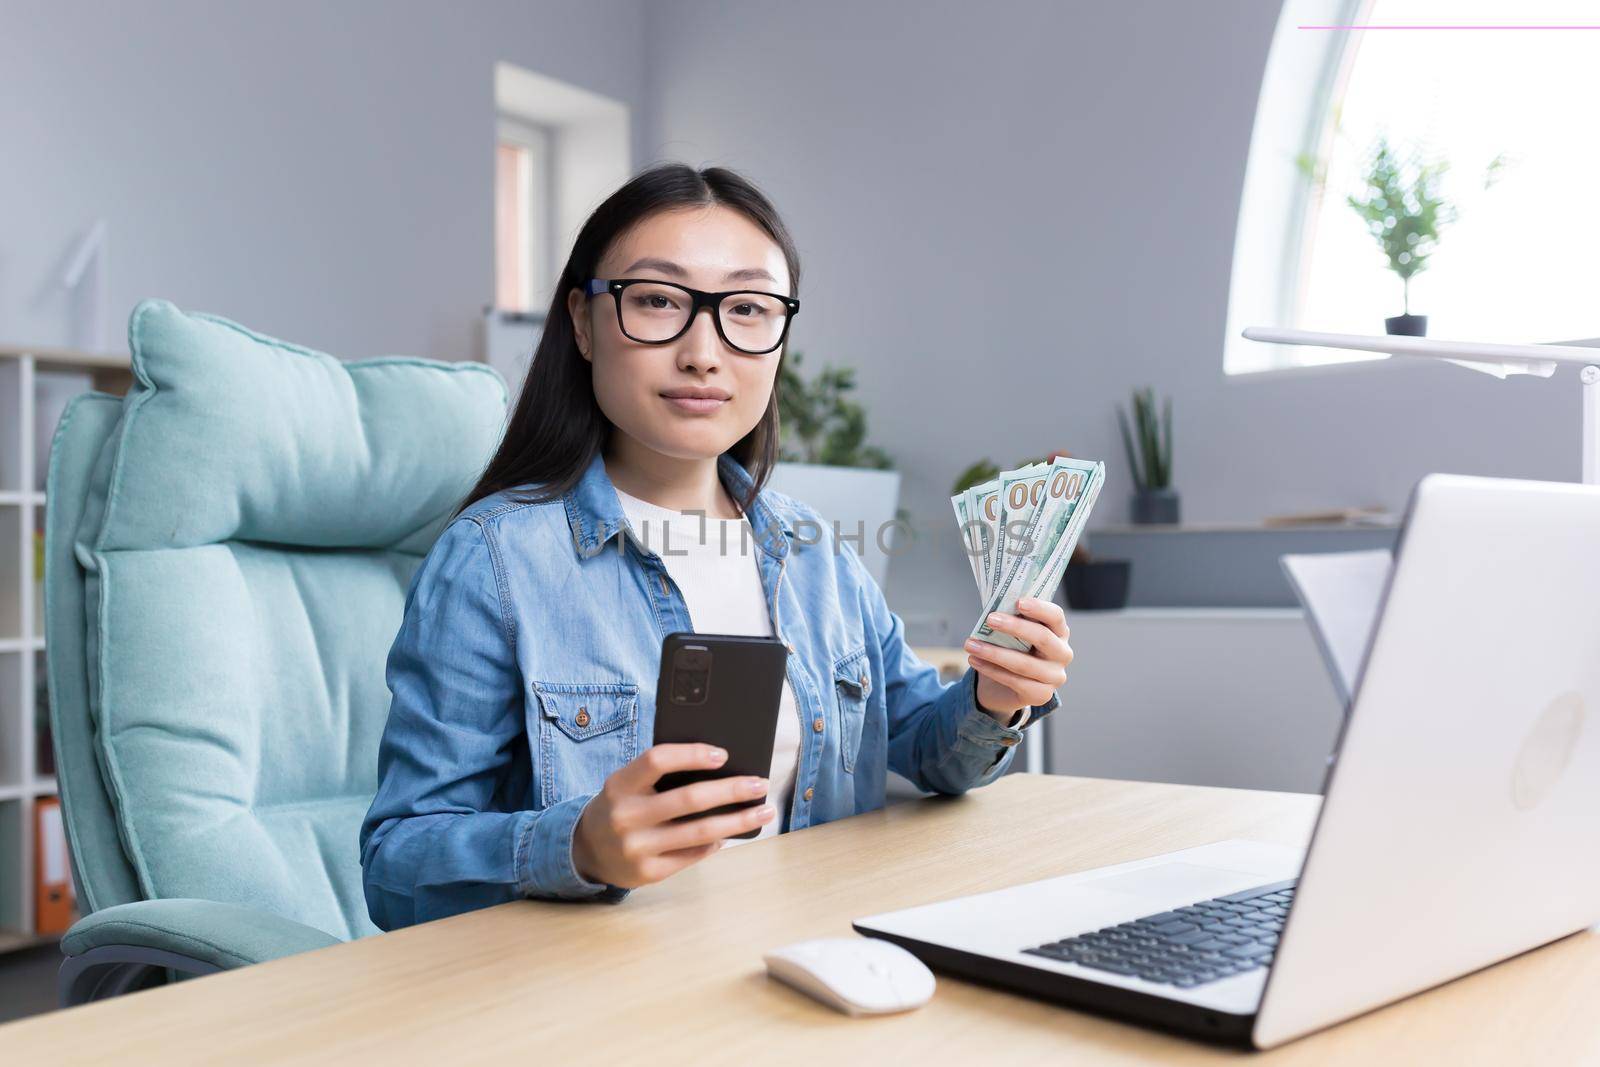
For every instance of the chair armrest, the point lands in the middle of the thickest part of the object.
(113, 950)
(224, 935)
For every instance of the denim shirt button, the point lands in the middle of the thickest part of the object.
(809, 792)
(582, 718)
(816, 724)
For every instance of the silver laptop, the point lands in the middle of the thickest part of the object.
(1458, 827)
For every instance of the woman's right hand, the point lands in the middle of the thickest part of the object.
(626, 837)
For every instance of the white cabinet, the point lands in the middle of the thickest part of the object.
(1201, 696)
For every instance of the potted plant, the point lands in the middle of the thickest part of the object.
(1095, 584)
(1089, 584)
(825, 460)
(1154, 499)
(1404, 209)
(1404, 212)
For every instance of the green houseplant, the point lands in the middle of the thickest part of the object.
(824, 459)
(981, 471)
(1147, 439)
(1404, 209)
(819, 423)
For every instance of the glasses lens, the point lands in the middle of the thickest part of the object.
(753, 321)
(653, 312)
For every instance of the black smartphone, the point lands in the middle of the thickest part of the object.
(723, 690)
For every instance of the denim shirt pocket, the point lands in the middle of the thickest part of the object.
(585, 732)
(852, 683)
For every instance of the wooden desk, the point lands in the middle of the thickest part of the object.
(674, 973)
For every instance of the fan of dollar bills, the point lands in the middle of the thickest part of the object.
(1019, 530)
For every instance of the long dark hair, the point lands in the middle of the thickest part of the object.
(557, 426)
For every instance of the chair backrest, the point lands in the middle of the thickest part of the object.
(228, 550)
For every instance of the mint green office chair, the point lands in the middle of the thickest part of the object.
(228, 550)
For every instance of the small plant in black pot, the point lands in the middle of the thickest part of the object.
(1147, 438)
(1403, 206)
(1404, 213)
(1095, 584)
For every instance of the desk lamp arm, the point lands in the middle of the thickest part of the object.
(1494, 358)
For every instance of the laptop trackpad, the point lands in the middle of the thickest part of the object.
(1192, 880)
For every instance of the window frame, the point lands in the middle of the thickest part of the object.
(535, 243)
(1277, 207)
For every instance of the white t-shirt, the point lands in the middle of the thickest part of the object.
(714, 563)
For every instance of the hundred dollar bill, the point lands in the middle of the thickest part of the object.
(1047, 574)
(1025, 539)
(969, 535)
(1020, 530)
(985, 537)
(1020, 491)
(1063, 483)
(1076, 476)
(985, 506)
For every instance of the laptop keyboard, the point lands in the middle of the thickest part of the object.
(1186, 947)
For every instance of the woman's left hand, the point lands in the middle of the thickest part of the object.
(1010, 680)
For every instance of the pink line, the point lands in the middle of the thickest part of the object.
(1596, 27)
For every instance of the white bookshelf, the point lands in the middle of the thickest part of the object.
(35, 384)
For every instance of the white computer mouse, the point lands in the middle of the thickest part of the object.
(856, 975)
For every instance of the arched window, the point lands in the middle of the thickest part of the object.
(1510, 111)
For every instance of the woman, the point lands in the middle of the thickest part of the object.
(517, 761)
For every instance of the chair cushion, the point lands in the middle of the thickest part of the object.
(249, 535)
(100, 868)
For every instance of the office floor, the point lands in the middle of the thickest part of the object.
(28, 981)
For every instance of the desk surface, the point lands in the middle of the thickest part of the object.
(674, 973)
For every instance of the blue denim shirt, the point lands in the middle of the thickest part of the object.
(521, 614)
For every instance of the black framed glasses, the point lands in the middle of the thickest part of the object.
(655, 312)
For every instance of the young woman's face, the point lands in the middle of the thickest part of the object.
(695, 397)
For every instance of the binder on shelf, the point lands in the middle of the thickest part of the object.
(53, 902)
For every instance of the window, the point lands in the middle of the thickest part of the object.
(559, 151)
(1516, 264)
(523, 211)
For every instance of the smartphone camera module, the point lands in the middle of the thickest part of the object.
(691, 674)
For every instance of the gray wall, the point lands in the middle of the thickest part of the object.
(1009, 212)
(319, 171)
(1013, 212)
